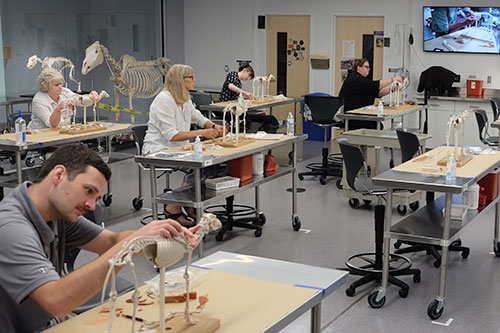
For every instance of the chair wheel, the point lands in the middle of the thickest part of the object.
(350, 291)
(391, 163)
(262, 219)
(137, 203)
(322, 181)
(354, 203)
(107, 199)
(403, 293)
(301, 177)
(219, 237)
(457, 242)
(258, 232)
(437, 263)
(417, 278)
(414, 205)
(465, 253)
(296, 223)
(339, 184)
(397, 245)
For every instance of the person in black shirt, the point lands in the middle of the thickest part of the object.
(358, 91)
(231, 88)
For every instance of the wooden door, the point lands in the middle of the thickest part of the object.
(287, 38)
(350, 32)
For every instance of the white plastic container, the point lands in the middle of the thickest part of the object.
(222, 183)
(471, 197)
(258, 164)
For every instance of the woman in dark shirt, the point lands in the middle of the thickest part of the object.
(358, 91)
(231, 88)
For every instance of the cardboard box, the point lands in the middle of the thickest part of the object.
(241, 168)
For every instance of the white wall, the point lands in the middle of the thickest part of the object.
(220, 31)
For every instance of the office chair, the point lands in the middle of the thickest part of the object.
(483, 125)
(139, 134)
(323, 110)
(369, 265)
(122, 286)
(495, 107)
(409, 147)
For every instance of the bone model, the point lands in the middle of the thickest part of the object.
(85, 101)
(162, 252)
(261, 83)
(457, 124)
(58, 63)
(397, 88)
(132, 78)
(236, 109)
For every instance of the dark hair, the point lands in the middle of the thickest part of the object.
(247, 67)
(357, 62)
(76, 158)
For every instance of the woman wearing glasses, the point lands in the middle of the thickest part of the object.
(170, 117)
(359, 90)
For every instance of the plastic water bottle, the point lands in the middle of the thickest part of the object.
(20, 126)
(380, 109)
(289, 125)
(197, 149)
(240, 99)
(451, 169)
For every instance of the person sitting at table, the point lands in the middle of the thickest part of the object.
(170, 117)
(231, 88)
(40, 220)
(358, 90)
(51, 106)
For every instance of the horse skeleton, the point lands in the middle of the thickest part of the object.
(236, 110)
(85, 101)
(162, 252)
(261, 83)
(58, 63)
(132, 78)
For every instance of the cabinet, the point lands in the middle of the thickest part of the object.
(441, 108)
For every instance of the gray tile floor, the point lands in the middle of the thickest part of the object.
(336, 232)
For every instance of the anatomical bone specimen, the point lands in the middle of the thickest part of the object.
(261, 84)
(236, 110)
(456, 123)
(132, 78)
(85, 101)
(58, 63)
(162, 252)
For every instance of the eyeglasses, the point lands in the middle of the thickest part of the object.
(189, 77)
(366, 67)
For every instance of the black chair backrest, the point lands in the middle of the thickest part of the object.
(495, 107)
(481, 123)
(409, 144)
(323, 108)
(200, 98)
(139, 134)
(353, 160)
(13, 116)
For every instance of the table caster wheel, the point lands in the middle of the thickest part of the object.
(432, 311)
(30, 161)
(350, 291)
(401, 210)
(414, 205)
(137, 203)
(296, 223)
(339, 184)
(322, 181)
(372, 300)
(354, 203)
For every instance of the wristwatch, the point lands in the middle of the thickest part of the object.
(213, 125)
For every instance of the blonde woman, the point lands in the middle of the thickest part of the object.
(170, 117)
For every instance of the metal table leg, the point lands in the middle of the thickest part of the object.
(296, 224)
(19, 168)
(496, 239)
(316, 318)
(152, 180)
(198, 205)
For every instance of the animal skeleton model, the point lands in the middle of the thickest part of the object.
(236, 109)
(58, 63)
(162, 252)
(457, 123)
(261, 83)
(397, 88)
(85, 101)
(132, 78)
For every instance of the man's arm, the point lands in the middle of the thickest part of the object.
(61, 296)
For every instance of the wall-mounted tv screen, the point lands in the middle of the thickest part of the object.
(461, 29)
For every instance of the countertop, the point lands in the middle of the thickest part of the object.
(461, 96)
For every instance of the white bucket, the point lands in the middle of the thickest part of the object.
(258, 164)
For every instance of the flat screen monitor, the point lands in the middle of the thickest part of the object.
(461, 29)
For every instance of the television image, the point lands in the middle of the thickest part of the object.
(461, 29)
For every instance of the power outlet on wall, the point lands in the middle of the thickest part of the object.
(488, 79)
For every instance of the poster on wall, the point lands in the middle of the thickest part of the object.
(348, 49)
